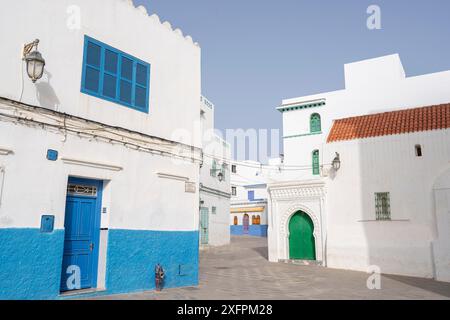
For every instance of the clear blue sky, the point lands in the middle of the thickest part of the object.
(257, 52)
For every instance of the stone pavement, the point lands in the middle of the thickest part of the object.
(241, 271)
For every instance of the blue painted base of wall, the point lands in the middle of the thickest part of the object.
(30, 265)
(254, 230)
(133, 255)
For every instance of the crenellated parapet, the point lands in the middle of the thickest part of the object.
(166, 24)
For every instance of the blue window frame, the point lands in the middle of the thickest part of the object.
(115, 76)
(251, 195)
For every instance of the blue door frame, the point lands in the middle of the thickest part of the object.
(82, 233)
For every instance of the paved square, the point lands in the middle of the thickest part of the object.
(242, 271)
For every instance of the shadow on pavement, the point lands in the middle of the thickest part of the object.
(441, 288)
(262, 251)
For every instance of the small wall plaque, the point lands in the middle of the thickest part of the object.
(190, 187)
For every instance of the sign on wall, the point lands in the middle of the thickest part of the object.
(190, 187)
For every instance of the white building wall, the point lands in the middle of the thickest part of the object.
(142, 191)
(219, 228)
(216, 193)
(388, 164)
(372, 86)
(175, 62)
(441, 252)
(136, 198)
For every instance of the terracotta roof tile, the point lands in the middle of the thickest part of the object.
(390, 123)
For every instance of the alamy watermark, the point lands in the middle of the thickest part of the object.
(374, 19)
(73, 21)
(74, 279)
(374, 280)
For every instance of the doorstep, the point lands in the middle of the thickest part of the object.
(302, 262)
(81, 292)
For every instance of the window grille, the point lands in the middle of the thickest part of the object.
(79, 190)
(383, 206)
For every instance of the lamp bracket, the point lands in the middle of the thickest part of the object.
(28, 47)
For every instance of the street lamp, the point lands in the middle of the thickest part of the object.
(336, 162)
(34, 60)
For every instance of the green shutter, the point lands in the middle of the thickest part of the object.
(316, 163)
(204, 226)
(315, 123)
(213, 168)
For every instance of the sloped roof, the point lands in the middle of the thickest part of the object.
(389, 123)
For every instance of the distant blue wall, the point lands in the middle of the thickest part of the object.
(30, 264)
(132, 256)
(254, 230)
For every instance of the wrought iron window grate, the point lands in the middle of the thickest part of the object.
(79, 190)
(383, 206)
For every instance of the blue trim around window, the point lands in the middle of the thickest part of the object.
(122, 86)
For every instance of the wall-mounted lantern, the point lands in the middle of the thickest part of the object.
(34, 60)
(221, 172)
(336, 162)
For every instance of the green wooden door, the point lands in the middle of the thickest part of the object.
(204, 226)
(301, 238)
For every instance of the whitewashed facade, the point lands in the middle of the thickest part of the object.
(60, 146)
(414, 241)
(214, 182)
(338, 207)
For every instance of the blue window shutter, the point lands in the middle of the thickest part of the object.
(125, 91)
(109, 86)
(93, 55)
(251, 195)
(127, 69)
(141, 75)
(115, 76)
(92, 79)
(111, 61)
(140, 96)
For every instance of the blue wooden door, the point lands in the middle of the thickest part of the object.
(82, 231)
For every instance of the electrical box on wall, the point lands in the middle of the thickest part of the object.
(52, 155)
(47, 224)
(104, 220)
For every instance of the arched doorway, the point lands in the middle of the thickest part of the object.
(246, 223)
(301, 237)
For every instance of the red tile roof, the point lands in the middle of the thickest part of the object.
(390, 123)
